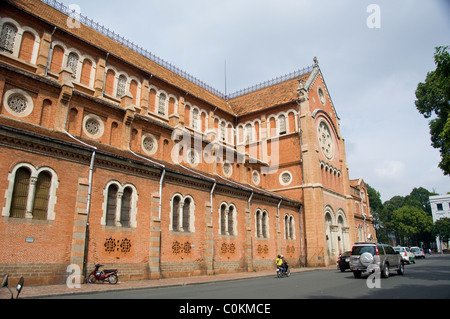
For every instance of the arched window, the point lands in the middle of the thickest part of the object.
(186, 214)
(223, 134)
(121, 86)
(195, 119)
(72, 63)
(162, 104)
(282, 124)
(26, 47)
(31, 193)
(248, 134)
(86, 72)
(20, 193)
(289, 227)
(109, 83)
(126, 207)
(223, 219)
(111, 205)
(231, 220)
(182, 214)
(175, 213)
(262, 224)
(42, 195)
(7, 38)
(57, 59)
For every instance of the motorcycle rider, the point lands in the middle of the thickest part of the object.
(285, 263)
(280, 263)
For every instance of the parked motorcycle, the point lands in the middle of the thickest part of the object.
(109, 275)
(281, 272)
(18, 287)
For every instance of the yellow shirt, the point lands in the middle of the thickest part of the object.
(279, 261)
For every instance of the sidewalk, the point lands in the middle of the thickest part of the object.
(59, 290)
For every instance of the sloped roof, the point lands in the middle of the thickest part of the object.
(267, 96)
(277, 94)
(97, 39)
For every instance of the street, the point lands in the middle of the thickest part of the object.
(428, 278)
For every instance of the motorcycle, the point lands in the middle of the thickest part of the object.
(281, 272)
(18, 287)
(109, 275)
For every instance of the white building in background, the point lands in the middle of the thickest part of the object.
(440, 208)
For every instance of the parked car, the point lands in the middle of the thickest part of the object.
(344, 261)
(406, 254)
(370, 257)
(418, 252)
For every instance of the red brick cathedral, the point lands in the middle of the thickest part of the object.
(112, 155)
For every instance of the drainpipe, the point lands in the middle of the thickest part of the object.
(163, 173)
(88, 202)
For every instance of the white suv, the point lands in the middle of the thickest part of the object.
(371, 257)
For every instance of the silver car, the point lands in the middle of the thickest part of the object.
(370, 257)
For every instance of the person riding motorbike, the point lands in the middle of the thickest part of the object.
(285, 263)
(280, 263)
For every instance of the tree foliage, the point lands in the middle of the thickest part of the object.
(404, 219)
(409, 222)
(442, 229)
(433, 100)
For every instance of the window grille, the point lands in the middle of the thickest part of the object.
(8, 37)
(248, 133)
(17, 103)
(162, 104)
(72, 63)
(282, 124)
(121, 85)
(195, 120)
(222, 132)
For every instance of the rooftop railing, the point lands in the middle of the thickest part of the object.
(144, 52)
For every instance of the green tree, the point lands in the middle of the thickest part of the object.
(433, 98)
(409, 222)
(442, 229)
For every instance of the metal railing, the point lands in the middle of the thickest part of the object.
(144, 52)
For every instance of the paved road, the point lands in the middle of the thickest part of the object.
(428, 278)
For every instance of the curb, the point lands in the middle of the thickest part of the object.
(45, 291)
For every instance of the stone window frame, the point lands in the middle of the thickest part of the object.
(321, 95)
(18, 39)
(262, 224)
(101, 128)
(22, 93)
(280, 178)
(54, 184)
(256, 177)
(224, 219)
(230, 166)
(155, 143)
(133, 204)
(180, 215)
(289, 227)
